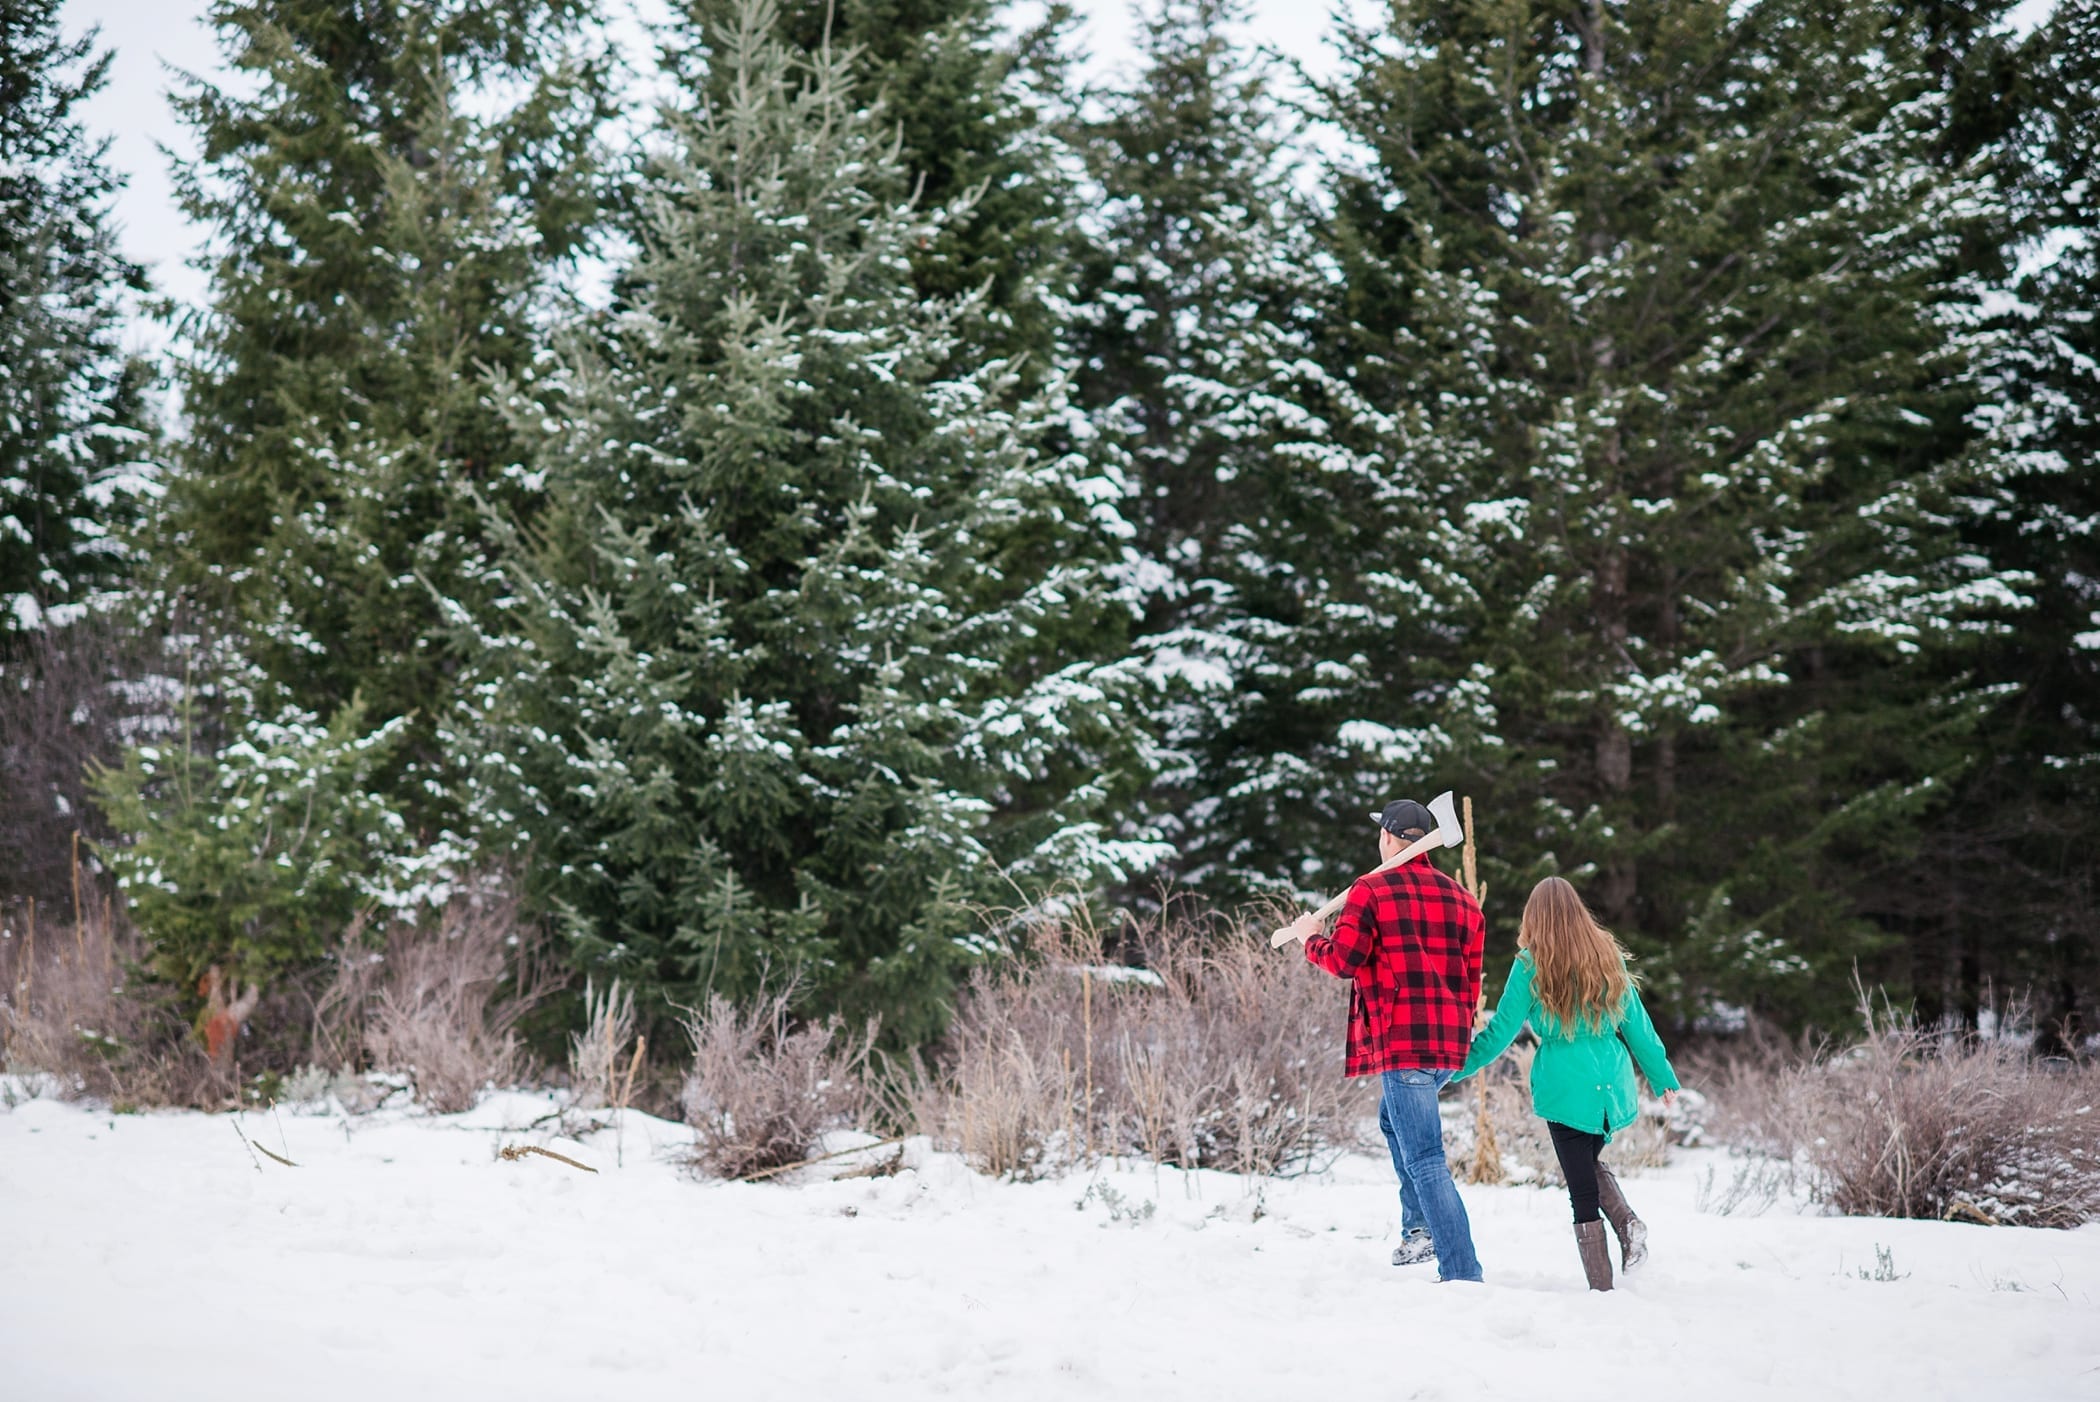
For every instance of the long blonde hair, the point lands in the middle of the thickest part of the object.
(1579, 971)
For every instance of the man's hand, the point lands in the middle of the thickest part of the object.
(1297, 932)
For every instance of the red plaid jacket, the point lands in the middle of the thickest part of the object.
(1409, 941)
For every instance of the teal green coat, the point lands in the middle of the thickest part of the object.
(1582, 1076)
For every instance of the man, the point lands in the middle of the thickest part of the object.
(1410, 940)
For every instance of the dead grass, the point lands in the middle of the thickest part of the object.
(1214, 1051)
(597, 1053)
(443, 1005)
(68, 1008)
(763, 1085)
(439, 1003)
(1917, 1122)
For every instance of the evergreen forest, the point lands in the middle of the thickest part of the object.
(795, 521)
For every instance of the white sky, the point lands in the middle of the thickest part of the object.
(153, 37)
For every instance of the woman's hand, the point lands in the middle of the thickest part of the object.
(1669, 1100)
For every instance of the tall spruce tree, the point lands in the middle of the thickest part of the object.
(806, 647)
(1198, 295)
(390, 187)
(1658, 305)
(973, 108)
(74, 426)
(2019, 915)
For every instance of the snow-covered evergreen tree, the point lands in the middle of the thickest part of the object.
(1664, 311)
(2022, 913)
(390, 187)
(1199, 296)
(807, 647)
(73, 421)
(973, 104)
(256, 856)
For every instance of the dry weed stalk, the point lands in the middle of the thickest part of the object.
(1485, 1165)
(594, 1053)
(340, 1012)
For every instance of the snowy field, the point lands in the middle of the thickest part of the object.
(149, 1257)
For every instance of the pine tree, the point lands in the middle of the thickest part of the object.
(806, 649)
(1658, 305)
(391, 187)
(254, 857)
(74, 424)
(2015, 916)
(973, 107)
(1197, 297)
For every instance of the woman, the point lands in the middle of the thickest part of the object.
(1571, 982)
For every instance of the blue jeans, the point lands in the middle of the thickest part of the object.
(1414, 1132)
(1411, 1218)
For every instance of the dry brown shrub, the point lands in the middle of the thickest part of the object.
(1216, 1052)
(439, 1003)
(342, 1009)
(68, 1009)
(443, 1005)
(1914, 1122)
(764, 1086)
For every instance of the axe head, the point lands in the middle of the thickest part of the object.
(1448, 829)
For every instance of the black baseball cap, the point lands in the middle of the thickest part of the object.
(1402, 814)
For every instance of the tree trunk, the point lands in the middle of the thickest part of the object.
(1614, 744)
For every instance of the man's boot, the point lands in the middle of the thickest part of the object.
(1414, 1248)
(1596, 1256)
(1631, 1230)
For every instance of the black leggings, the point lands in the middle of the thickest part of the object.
(1578, 1150)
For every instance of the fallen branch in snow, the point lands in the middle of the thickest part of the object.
(836, 1154)
(511, 1153)
(255, 1148)
(245, 1144)
(876, 1168)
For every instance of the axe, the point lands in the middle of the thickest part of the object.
(1448, 832)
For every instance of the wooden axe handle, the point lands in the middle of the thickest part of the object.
(1433, 838)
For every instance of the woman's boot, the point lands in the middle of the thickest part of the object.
(1631, 1230)
(1596, 1256)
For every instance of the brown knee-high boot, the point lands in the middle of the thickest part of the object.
(1631, 1230)
(1596, 1256)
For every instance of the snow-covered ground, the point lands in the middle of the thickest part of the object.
(148, 1256)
